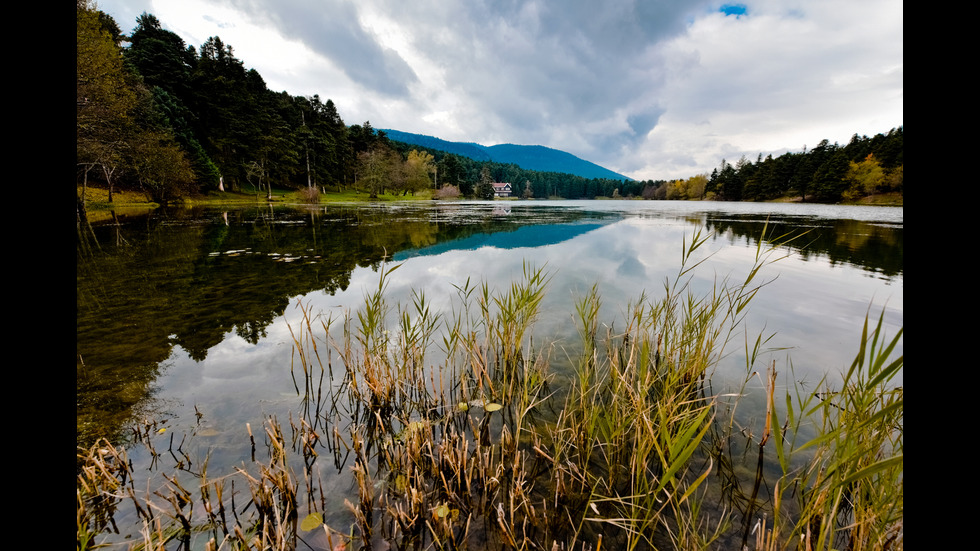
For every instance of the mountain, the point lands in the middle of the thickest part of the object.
(530, 157)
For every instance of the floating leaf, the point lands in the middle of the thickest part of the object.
(463, 406)
(161, 431)
(442, 510)
(312, 520)
(492, 406)
(415, 427)
(208, 432)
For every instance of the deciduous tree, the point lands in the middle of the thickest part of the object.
(378, 168)
(160, 166)
(864, 178)
(418, 166)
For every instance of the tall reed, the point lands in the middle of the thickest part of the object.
(851, 477)
(623, 445)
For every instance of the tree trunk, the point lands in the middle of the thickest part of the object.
(81, 200)
(108, 179)
(268, 181)
(309, 182)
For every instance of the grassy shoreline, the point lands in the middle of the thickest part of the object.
(97, 199)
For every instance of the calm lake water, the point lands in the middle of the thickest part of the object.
(184, 317)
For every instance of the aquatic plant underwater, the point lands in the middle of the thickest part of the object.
(453, 430)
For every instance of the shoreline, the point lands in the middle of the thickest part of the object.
(97, 199)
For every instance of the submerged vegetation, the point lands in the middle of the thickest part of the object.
(457, 430)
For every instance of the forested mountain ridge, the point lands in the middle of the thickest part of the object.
(531, 157)
(173, 120)
(469, 150)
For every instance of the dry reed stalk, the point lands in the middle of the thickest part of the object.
(770, 393)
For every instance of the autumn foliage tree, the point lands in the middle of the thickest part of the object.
(105, 100)
(119, 131)
(417, 168)
(864, 178)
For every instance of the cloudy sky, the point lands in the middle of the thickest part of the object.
(653, 89)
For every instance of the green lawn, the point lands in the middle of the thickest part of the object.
(98, 198)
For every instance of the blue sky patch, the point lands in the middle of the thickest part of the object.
(734, 9)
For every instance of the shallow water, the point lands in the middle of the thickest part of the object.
(185, 318)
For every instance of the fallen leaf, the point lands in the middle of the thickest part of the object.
(312, 520)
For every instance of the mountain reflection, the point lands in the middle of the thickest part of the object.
(527, 236)
(190, 278)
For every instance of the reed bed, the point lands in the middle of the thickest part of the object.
(454, 431)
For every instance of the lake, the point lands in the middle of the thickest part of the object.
(187, 319)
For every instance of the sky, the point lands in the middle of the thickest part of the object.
(652, 89)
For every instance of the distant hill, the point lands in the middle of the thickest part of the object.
(530, 157)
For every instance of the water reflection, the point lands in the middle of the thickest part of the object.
(528, 236)
(873, 246)
(188, 317)
(211, 289)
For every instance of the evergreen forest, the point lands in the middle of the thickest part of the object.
(173, 120)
